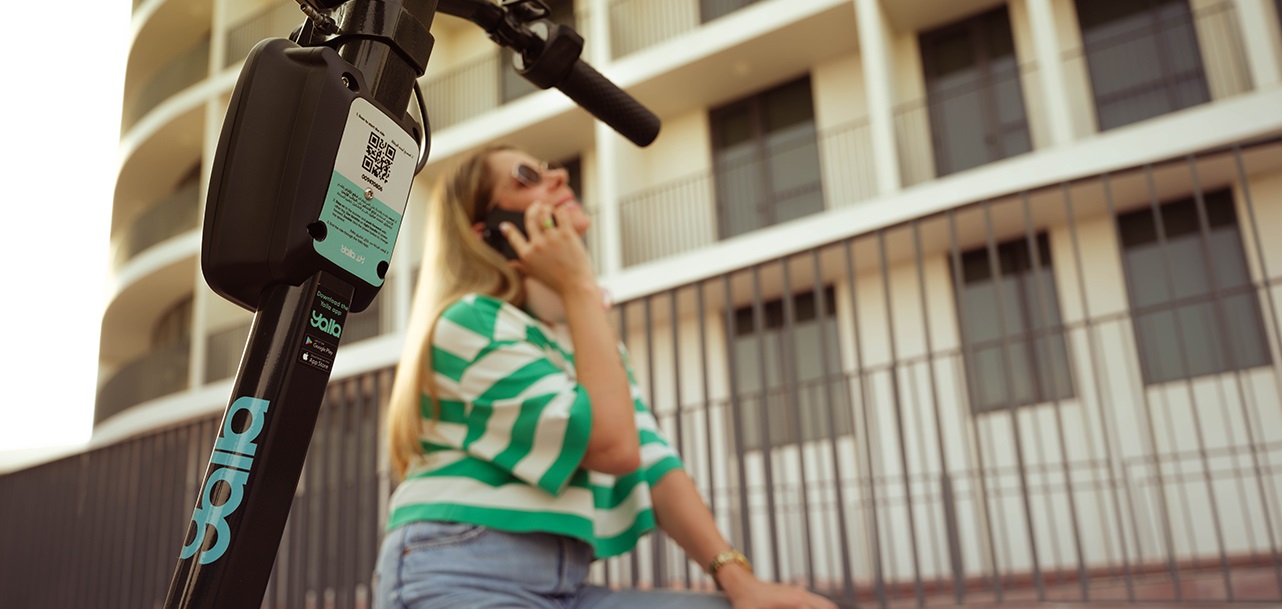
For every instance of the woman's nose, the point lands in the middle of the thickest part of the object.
(556, 177)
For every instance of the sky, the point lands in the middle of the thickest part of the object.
(59, 140)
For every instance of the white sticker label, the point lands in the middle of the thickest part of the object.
(368, 192)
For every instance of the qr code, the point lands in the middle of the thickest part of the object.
(379, 155)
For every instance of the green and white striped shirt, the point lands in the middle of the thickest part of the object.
(512, 429)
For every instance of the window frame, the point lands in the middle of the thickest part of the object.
(1170, 77)
(1160, 214)
(711, 13)
(756, 105)
(980, 29)
(1026, 338)
(776, 326)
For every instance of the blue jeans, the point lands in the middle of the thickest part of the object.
(428, 565)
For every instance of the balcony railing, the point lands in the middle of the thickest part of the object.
(921, 126)
(276, 21)
(483, 84)
(187, 68)
(905, 493)
(681, 215)
(223, 349)
(463, 92)
(639, 24)
(171, 216)
(158, 373)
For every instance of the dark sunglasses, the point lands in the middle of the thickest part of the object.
(529, 176)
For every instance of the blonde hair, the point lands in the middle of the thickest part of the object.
(455, 263)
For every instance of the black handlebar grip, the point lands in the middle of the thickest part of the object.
(606, 101)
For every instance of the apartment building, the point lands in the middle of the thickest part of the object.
(941, 301)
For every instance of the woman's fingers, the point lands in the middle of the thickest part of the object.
(533, 217)
(513, 236)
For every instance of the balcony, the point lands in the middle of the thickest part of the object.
(1140, 71)
(171, 216)
(482, 83)
(636, 25)
(159, 373)
(276, 21)
(224, 348)
(185, 69)
(681, 215)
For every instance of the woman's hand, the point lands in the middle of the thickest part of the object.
(747, 592)
(553, 255)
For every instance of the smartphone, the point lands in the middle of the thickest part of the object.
(494, 237)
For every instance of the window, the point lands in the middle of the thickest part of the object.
(1194, 306)
(766, 159)
(794, 369)
(712, 9)
(574, 166)
(514, 85)
(976, 105)
(1012, 339)
(1143, 58)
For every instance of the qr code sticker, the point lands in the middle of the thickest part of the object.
(379, 155)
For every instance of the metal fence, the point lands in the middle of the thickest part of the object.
(915, 448)
(102, 529)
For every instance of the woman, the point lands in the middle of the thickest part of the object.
(523, 448)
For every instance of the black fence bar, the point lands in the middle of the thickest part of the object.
(898, 403)
(1150, 439)
(872, 522)
(1100, 379)
(1249, 205)
(678, 413)
(843, 528)
(1168, 276)
(1042, 296)
(790, 374)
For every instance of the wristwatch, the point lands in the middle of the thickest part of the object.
(727, 557)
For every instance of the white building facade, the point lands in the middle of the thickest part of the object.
(941, 300)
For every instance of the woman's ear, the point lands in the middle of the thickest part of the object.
(479, 229)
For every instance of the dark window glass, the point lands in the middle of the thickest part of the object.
(976, 105)
(794, 369)
(712, 9)
(766, 159)
(1194, 307)
(1013, 339)
(574, 166)
(1143, 58)
(514, 85)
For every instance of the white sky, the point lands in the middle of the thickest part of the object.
(59, 139)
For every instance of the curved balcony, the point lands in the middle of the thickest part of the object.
(172, 216)
(224, 348)
(157, 155)
(156, 374)
(184, 70)
(144, 289)
(275, 21)
(640, 24)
